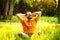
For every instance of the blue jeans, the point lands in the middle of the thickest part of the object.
(29, 35)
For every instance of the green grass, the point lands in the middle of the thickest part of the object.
(49, 19)
(9, 31)
(49, 32)
(41, 19)
(48, 25)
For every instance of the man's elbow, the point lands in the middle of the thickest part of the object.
(17, 14)
(39, 13)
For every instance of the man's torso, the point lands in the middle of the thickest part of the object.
(29, 29)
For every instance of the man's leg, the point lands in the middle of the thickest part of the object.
(39, 32)
(30, 35)
(23, 35)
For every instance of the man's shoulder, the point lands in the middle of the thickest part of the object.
(23, 20)
(33, 20)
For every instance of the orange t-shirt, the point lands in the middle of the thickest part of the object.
(29, 29)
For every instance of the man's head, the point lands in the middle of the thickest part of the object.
(28, 15)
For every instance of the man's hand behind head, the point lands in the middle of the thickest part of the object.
(37, 13)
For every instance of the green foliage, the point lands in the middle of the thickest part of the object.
(48, 7)
(57, 3)
(17, 1)
(29, 2)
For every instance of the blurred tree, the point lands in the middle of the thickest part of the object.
(11, 8)
(58, 11)
(48, 7)
(22, 6)
(2, 9)
(6, 9)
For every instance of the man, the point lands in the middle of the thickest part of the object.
(29, 23)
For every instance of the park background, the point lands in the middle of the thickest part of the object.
(48, 23)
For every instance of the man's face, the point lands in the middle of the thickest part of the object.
(29, 15)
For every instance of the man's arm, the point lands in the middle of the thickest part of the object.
(19, 15)
(37, 15)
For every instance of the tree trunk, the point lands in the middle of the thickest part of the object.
(11, 9)
(2, 9)
(59, 12)
(1, 4)
(6, 9)
(0, 14)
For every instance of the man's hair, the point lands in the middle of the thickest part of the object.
(27, 13)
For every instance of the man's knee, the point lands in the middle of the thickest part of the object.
(22, 34)
(39, 32)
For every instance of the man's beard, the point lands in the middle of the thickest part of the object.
(29, 17)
